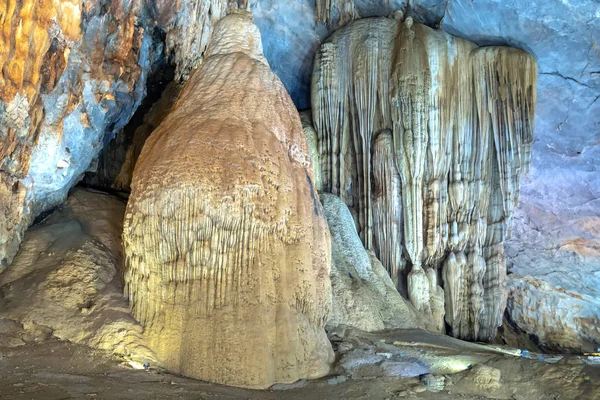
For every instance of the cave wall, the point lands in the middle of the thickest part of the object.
(74, 72)
(81, 68)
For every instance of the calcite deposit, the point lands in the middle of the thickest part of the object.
(258, 239)
(65, 281)
(364, 296)
(425, 136)
(227, 250)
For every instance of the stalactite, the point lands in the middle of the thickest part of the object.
(189, 30)
(343, 9)
(227, 249)
(459, 123)
(387, 210)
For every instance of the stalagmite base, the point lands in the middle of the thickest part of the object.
(228, 252)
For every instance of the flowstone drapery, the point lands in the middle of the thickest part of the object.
(424, 136)
(227, 249)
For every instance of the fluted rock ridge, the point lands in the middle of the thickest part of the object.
(425, 136)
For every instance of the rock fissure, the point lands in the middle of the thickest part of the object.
(568, 78)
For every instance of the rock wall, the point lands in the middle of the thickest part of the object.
(74, 72)
(554, 285)
(227, 250)
(455, 124)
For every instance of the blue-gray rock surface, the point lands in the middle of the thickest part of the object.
(560, 196)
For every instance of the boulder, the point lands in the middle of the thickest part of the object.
(65, 280)
(553, 288)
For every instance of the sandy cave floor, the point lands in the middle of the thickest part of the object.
(56, 370)
(43, 297)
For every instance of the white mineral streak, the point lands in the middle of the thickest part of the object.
(387, 208)
(189, 31)
(327, 8)
(424, 136)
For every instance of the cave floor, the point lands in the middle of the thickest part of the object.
(56, 370)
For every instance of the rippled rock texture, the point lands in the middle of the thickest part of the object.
(424, 136)
(228, 252)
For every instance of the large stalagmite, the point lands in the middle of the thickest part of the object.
(227, 250)
(425, 137)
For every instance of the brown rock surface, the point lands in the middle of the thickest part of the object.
(73, 74)
(227, 250)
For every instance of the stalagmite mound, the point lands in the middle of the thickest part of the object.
(364, 296)
(64, 281)
(424, 136)
(227, 250)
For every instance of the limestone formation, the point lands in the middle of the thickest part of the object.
(364, 296)
(561, 320)
(227, 250)
(326, 9)
(65, 280)
(73, 74)
(188, 26)
(312, 142)
(116, 162)
(335, 13)
(424, 136)
(554, 285)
